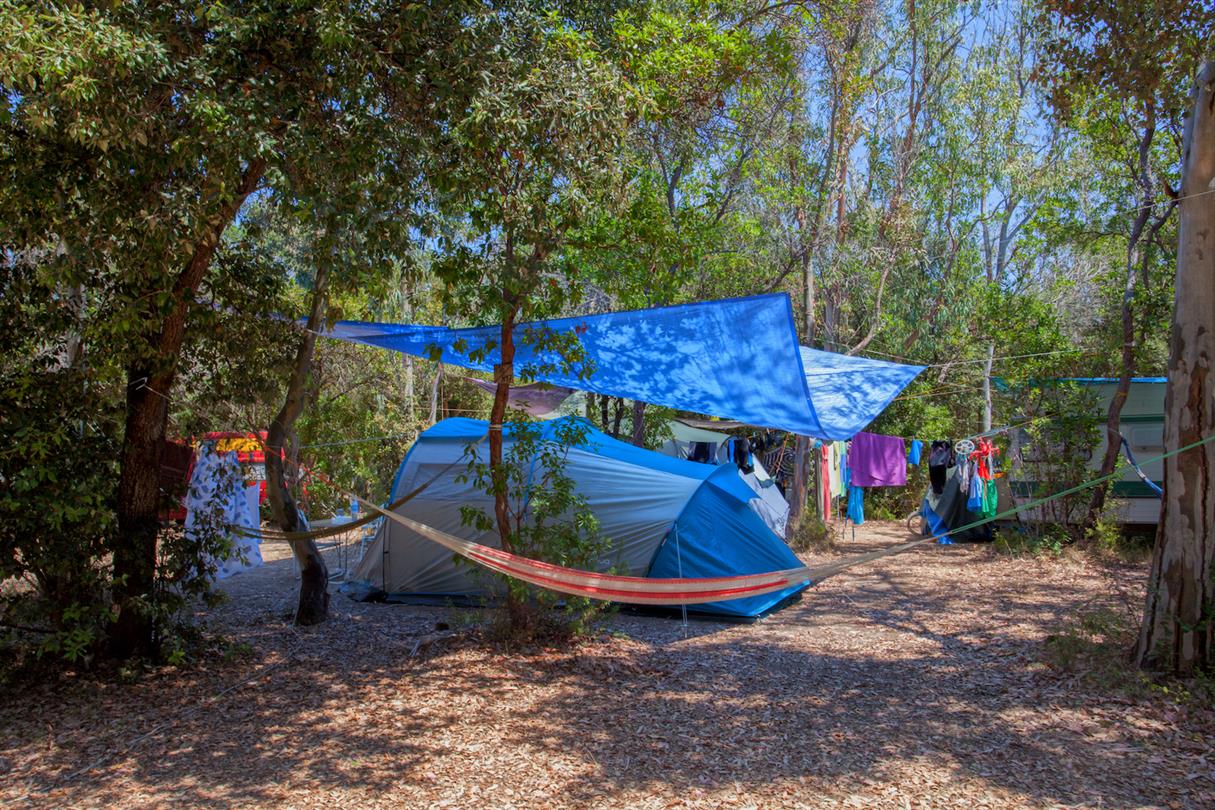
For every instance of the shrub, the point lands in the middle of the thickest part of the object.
(549, 521)
(814, 535)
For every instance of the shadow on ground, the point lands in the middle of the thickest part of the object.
(874, 681)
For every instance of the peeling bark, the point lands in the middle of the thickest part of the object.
(1178, 631)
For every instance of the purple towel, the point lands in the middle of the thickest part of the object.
(878, 461)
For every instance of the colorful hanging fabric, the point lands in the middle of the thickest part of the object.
(833, 472)
(974, 501)
(990, 499)
(856, 505)
(878, 461)
(218, 502)
(913, 455)
(825, 483)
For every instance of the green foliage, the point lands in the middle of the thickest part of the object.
(1056, 446)
(1045, 540)
(1095, 645)
(131, 136)
(1110, 541)
(549, 520)
(898, 169)
(1141, 51)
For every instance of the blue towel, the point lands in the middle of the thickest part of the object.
(856, 505)
(913, 456)
(975, 502)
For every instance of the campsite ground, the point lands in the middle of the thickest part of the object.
(915, 681)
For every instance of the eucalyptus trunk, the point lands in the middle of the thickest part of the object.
(433, 415)
(1178, 631)
(988, 407)
(313, 605)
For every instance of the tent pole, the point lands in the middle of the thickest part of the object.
(679, 567)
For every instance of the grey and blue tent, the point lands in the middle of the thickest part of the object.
(664, 517)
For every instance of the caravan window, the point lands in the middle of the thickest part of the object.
(1148, 437)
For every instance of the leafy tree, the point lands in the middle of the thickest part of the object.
(535, 149)
(132, 137)
(549, 520)
(1121, 70)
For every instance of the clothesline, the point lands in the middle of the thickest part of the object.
(356, 441)
(952, 389)
(995, 359)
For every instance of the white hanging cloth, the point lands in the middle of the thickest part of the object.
(217, 500)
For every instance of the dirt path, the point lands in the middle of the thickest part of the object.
(912, 682)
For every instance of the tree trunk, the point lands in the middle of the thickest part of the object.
(313, 606)
(798, 488)
(987, 403)
(434, 395)
(617, 416)
(407, 359)
(504, 375)
(1178, 631)
(1113, 419)
(149, 381)
(638, 423)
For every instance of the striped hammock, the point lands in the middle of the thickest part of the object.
(608, 587)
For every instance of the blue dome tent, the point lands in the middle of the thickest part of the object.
(663, 516)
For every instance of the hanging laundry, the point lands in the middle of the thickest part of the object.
(990, 500)
(833, 471)
(983, 483)
(856, 505)
(217, 500)
(964, 473)
(878, 461)
(825, 479)
(845, 467)
(974, 500)
(913, 455)
(742, 454)
(940, 457)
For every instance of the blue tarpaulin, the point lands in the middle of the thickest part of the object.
(735, 358)
(848, 392)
